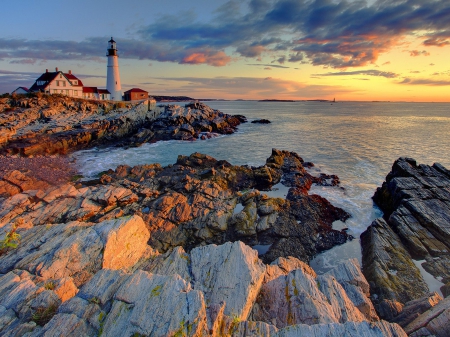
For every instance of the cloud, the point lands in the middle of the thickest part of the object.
(24, 61)
(250, 51)
(418, 53)
(386, 63)
(250, 87)
(267, 68)
(281, 60)
(268, 65)
(415, 72)
(337, 34)
(372, 72)
(212, 58)
(424, 81)
(298, 56)
(438, 39)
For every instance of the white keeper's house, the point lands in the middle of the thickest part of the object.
(58, 82)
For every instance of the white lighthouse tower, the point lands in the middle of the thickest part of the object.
(112, 75)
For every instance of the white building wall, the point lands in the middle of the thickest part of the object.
(113, 78)
(61, 85)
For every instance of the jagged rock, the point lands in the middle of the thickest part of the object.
(434, 322)
(176, 262)
(261, 121)
(231, 273)
(415, 199)
(61, 124)
(64, 325)
(389, 268)
(125, 241)
(351, 278)
(415, 308)
(365, 329)
(183, 205)
(292, 294)
(170, 305)
(77, 249)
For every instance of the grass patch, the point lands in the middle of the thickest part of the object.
(11, 240)
(43, 315)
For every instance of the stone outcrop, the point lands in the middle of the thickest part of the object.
(223, 289)
(48, 124)
(164, 251)
(415, 200)
(347, 329)
(198, 200)
(434, 322)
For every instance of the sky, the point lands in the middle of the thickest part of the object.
(388, 50)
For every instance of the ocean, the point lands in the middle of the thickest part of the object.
(357, 141)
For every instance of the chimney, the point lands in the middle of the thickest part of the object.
(56, 69)
(70, 72)
(46, 70)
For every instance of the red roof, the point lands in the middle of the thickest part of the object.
(135, 90)
(95, 90)
(90, 89)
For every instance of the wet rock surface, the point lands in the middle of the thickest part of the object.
(416, 202)
(49, 124)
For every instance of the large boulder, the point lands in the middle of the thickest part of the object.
(415, 199)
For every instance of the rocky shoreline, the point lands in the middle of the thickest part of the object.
(47, 124)
(170, 251)
(98, 257)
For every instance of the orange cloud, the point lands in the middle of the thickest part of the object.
(217, 59)
(418, 53)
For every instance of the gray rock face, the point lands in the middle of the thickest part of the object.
(395, 278)
(378, 329)
(225, 283)
(230, 274)
(434, 322)
(416, 202)
(305, 298)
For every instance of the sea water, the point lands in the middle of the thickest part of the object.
(357, 141)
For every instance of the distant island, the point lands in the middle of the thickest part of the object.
(173, 98)
(276, 100)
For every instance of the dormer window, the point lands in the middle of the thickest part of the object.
(74, 82)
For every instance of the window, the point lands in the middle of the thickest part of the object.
(60, 75)
(75, 92)
(63, 83)
(67, 92)
(57, 83)
(74, 82)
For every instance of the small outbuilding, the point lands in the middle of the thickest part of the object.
(21, 90)
(135, 94)
(96, 93)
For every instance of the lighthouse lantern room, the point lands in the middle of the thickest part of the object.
(112, 75)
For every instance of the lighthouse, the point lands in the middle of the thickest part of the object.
(112, 75)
